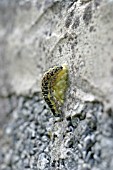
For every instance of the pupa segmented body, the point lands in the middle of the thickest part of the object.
(54, 85)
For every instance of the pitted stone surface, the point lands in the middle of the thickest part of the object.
(34, 36)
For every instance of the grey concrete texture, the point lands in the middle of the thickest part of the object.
(34, 36)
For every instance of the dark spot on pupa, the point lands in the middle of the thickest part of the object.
(87, 14)
(76, 23)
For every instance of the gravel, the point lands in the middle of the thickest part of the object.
(35, 140)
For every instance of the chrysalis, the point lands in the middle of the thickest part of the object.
(54, 86)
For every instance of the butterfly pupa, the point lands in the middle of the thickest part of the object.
(54, 86)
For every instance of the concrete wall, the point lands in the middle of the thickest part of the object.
(34, 36)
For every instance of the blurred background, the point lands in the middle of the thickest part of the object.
(34, 36)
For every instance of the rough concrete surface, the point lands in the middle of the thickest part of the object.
(34, 36)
